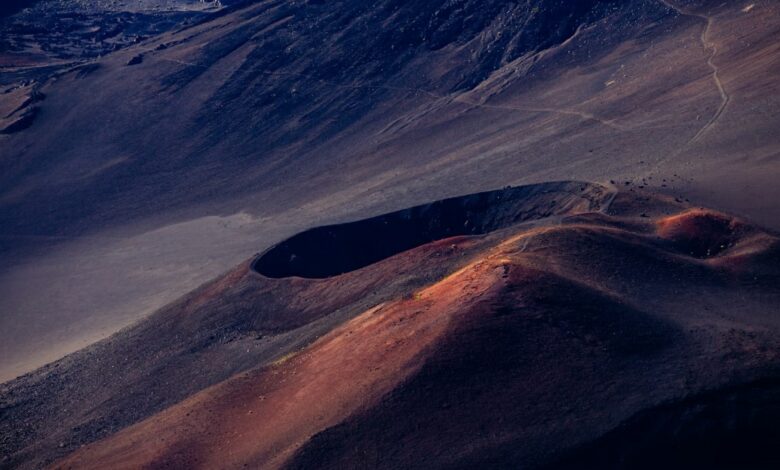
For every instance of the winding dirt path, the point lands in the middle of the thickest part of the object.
(713, 49)
(585, 116)
(563, 111)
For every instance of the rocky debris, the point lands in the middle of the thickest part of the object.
(17, 110)
(135, 60)
(58, 30)
(19, 122)
(87, 69)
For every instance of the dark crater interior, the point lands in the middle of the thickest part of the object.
(336, 249)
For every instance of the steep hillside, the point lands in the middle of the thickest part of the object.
(250, 98)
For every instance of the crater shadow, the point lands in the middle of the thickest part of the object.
(332, 250)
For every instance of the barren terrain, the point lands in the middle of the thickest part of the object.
(566, 305)
(492, 233)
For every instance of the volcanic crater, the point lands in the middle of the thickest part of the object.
(336, 249)
(343, 341)
(148, 146)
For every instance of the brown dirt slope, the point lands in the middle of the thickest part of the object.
(551, 342)
(242, 320)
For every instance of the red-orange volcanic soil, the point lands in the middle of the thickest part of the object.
(546, 342)
(262, 417)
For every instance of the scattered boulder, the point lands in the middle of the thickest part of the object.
(136, 60)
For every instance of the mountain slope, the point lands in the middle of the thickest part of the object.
(565, 303)
(549, 340)
(272, 117)
(232, 324)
